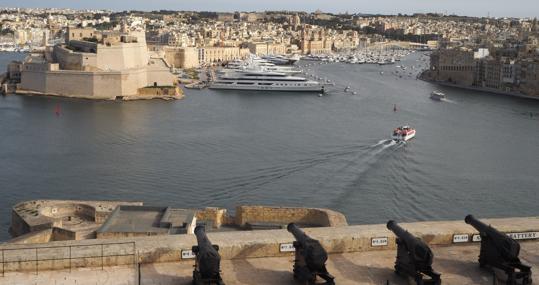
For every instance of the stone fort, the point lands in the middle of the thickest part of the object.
(96, 65)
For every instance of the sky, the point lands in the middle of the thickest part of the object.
(494, 8)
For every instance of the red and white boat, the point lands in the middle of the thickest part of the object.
(404, 133)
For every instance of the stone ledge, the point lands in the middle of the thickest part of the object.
(255, 244)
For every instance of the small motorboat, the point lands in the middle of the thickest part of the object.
(437, 95)
(404, 133)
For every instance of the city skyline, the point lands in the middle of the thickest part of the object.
(481, 8)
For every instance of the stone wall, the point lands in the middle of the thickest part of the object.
(238, 244)
(97, 85)
(42, 236)
(281, 215)
(182, 57)
(115, 57)
(36, 259)
(18, 225)
(68, 209)
(67, 59)
(59, 234)
(217, 216)
(159, 74)
(159, 91)
(453, 65)
(122, 56)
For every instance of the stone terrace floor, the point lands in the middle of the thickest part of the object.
(458, 265)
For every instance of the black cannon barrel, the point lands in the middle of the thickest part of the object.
(207, 256)
(400, 232)
(420, 251)
(297, 232)
(202, 238)
(484, 229)
(315, 255)
(477, 224)
(508, 247)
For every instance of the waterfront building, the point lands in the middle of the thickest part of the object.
(453, 65)
(212, 55)
(314, 41)
(508, 70)
(265, 48)
(529, 78)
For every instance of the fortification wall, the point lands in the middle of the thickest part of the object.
(282, 215)
(97, 85)
(68, 209)
(122, 56)
(67, 59)
(71, 83)
(18, 225)
(33, 80)
(109, 84)
(42, 236)
(160, 76)
(186, 57)
(241, 244)
(131, 81)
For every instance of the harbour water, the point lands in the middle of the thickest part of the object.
(476, 153)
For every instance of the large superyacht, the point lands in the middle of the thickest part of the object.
(257, 74)
(263, 80)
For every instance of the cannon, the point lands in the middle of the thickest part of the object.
(207, 260)
(310, 260)
(500, 251)
(414, 257)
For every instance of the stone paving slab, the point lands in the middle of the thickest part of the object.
(458, 265)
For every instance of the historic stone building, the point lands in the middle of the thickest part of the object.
(212, 55)
(453, 65)
(265, 48)
(115, 65)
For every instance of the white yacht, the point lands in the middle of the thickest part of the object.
(437, 95)
(263, 80)
(281, 60)
(263, 64)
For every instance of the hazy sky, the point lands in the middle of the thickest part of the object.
(497, 8)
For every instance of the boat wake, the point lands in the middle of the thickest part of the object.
(334, 166)
(449, 101)
(353, 166)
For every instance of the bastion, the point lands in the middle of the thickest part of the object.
(103, 65)
(43, 221)
(358, 254)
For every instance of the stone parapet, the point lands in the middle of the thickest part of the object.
(284, 215)
(247, 244)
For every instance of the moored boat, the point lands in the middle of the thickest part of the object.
(263, 80)
(437, 95)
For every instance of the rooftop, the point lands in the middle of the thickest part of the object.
(147, 220)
